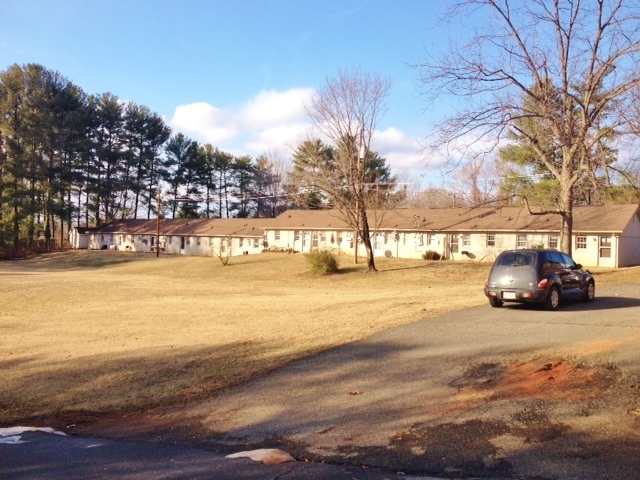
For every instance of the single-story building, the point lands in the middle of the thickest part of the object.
(216, 236)
(607, 236)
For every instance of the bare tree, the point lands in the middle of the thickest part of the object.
(475, 183)
(270, 180)
(558, 74)
(224, 249)
(346, 112)
(431, 197)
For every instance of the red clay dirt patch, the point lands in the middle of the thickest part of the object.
(555, 379)
(552, 380)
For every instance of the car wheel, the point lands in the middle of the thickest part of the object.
(553, 299)
(589, 293)
(495, 303)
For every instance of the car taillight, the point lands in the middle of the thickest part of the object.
(542, 284)
(486, 282)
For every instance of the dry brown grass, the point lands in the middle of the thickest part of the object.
(108, 331)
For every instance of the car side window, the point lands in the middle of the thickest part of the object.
(567, 261)
(556, 260)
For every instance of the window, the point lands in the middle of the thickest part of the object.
(296, 235)
(521, 241)
(553, 242)
(433, 240)
(581, 241)
(256, 242)
(466, 240)
(314, 240)
(198, 241)
(323, 237)
(277, 232)
(380, 240)
(491, 239)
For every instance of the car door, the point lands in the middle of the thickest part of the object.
(571, 274)
(558, 269)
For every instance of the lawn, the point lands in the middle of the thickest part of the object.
(107, 332)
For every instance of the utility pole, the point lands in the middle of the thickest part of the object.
(358, 188)
(158, 226)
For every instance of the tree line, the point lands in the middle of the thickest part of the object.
(69, 158)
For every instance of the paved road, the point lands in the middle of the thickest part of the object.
(44, 456)
(493, 393)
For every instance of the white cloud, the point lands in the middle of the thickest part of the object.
(282, 136)
(272, 108)
(390, 138)
(399, 150)
(207, 123)
(268, 120)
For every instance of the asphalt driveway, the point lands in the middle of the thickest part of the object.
(514, 392)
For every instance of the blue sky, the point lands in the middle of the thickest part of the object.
(235, 73)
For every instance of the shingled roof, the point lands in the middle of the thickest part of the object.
(610, 218)
(214, 227)
(587, 219)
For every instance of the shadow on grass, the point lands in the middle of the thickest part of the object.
(75, 260)
(131, 381)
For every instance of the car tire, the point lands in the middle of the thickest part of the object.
(589, 293)
(495, 303)
(552, 301)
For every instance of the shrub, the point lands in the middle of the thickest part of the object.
(322, 262)
(430, 255)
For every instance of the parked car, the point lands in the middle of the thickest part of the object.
(545, 277)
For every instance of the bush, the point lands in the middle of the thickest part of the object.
(322, 262)
(430, 255)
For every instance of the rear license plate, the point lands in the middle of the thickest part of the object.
(509, 295)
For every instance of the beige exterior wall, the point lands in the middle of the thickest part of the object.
(479, 247)
(173, 244)
(629, 244)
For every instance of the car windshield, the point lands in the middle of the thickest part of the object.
(514, 259)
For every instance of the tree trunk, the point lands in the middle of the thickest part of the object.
(566, 229)
(366, 239)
